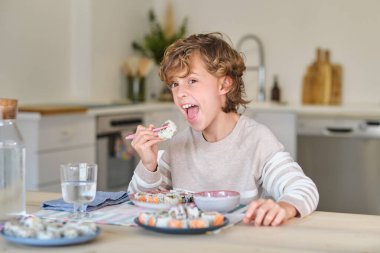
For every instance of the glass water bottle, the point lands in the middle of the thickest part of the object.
(12, 162)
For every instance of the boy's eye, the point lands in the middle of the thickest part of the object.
(192, 81)
(172, 85)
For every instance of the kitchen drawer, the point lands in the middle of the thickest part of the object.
(58, 132)
(49, 162)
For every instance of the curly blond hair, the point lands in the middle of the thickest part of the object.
(219, 58)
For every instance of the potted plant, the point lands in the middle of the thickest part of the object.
(158, 39)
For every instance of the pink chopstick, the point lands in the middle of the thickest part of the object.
(131, 136)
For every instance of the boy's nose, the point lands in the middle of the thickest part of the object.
(182, 90)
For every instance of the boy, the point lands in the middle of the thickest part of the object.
(221, 149)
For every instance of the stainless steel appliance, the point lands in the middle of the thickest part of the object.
(342, 156)
(115, 157)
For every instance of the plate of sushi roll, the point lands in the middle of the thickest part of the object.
(34, 231)
(160, 200)
(181, 219)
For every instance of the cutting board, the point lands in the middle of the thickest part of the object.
(322, 82)
(52, 109)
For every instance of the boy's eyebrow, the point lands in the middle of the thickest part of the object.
(174, 77)
(193, 73)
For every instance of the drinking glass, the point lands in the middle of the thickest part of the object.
(78, 181)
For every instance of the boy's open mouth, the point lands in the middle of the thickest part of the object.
(191, 110)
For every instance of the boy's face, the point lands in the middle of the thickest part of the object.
(200, 95)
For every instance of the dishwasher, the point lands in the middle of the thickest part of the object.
(115, 156)
(342, 157)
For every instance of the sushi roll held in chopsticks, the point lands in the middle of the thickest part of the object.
(165, 132)
(168, 131)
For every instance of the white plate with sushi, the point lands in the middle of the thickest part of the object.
(51, 242)
(159, 200)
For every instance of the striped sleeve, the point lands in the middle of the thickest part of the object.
(145, 180)
(283, 179)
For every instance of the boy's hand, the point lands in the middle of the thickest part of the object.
(145, 144)
(266, 212)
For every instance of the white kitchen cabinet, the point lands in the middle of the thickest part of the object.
(53, 140)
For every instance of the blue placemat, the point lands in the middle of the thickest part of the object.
(102, 199)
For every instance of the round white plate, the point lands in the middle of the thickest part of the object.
(160, 206)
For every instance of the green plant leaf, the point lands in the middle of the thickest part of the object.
(155, 42)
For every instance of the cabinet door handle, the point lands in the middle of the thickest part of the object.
(339, 129)
(374, 123)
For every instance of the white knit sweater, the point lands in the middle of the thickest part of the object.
(249, 160)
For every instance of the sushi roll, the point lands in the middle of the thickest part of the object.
(47, 235)
(178, 212)
(152, 198)
(31, 221)
(192, 211)
(17, 230)
(178, 223)
(147, 218)
(172, 198)
(198, 223)
(213, 218)
(87, 228)
(70, 232)
(161, 198)
(83, 227)
(168, 132)
(140, 196)
(162, 220)
(53, 226)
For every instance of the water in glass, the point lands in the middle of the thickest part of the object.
(78, 192)
(78, 183)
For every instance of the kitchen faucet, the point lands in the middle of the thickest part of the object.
(260, 68)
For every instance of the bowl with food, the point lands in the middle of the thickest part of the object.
(222, 201)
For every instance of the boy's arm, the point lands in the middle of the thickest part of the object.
(284, 180)
(145, 180)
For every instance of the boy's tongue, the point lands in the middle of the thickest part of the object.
(192, 112)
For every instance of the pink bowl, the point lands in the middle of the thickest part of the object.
(221, 201)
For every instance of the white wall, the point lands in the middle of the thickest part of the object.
(291, 30)
(116, 24)
(43, 57)
(34, 49)
(61, 50)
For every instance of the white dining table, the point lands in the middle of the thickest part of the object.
(318, 232)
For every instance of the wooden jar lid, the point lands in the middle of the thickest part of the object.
(8, 108)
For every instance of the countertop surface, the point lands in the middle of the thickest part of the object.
(356, 111)
(319, 232)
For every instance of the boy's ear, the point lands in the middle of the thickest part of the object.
(226, 84)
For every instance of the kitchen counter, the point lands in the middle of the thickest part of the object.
(354, 111)
(319, 232)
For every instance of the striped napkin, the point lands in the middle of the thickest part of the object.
(102, 199)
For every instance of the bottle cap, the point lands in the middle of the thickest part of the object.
(8, 108)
